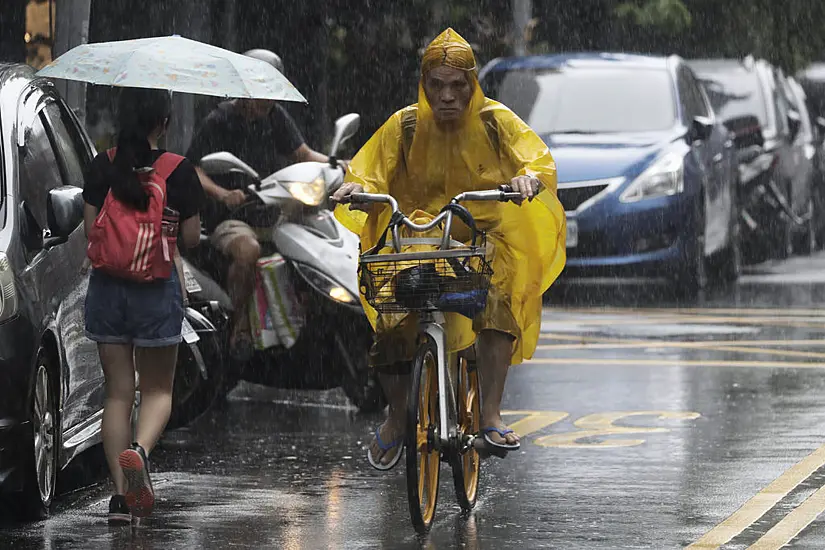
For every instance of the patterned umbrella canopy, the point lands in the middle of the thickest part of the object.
(176, 64)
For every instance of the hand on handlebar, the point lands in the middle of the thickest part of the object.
(528, 186)
(233, 198)
(342, 196)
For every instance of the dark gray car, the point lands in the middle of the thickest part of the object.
(776, 185)
(51, 383)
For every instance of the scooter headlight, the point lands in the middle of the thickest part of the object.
(325, 284)
(311, 193)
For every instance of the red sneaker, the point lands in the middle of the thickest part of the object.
(140, 497)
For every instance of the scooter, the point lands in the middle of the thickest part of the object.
(333, 345)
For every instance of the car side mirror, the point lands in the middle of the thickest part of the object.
(700, 129)
(345, 128)
(64, 212)
(224, 163)
(794, 123)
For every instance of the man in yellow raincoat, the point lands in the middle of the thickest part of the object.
(454, 140)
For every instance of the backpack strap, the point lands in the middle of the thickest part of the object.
(166, 164)
(491, 127)
(409, 119)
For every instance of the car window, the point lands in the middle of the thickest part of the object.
(68, 144)
(734, 93)
(781, 102)
(587, 100)
(39, 170)
(690, 96)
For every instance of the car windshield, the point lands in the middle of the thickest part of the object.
(734, 94)
(587, 100)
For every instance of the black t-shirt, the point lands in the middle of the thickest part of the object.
(183, 188)
(264, 144)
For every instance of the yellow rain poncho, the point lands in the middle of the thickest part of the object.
(528, 241)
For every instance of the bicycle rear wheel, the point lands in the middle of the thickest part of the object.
(423, 459)
(466, 463)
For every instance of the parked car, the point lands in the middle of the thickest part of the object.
(51, 384)
(806, 241)
(646, 173)
(812, 81)
(775, 194)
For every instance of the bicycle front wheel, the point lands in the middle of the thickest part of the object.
(466, 463)
(423, 458)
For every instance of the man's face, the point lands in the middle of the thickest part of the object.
(256, 108)
(448, 90)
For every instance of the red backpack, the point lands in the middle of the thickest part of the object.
(135, 245)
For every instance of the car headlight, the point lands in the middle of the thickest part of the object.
(311, 193)
(663, 178)
(325, 284)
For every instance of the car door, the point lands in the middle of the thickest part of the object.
(724, 171)
(692, 106)
(804, 146)
(56, 154)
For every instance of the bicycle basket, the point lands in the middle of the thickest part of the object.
(454, 280)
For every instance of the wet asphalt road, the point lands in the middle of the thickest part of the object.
(644, 425)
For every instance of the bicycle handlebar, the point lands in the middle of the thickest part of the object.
(504, 193)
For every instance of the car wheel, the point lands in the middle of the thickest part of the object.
(40, 469)
(805, 242)
(359, 381)
(692, 276)
(192, 395)
(731, 266)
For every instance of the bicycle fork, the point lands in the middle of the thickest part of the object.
(446, 399)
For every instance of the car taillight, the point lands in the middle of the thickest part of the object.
(8, 291)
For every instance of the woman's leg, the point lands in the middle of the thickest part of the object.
(157, 374)
(119, 372)
(495, 350)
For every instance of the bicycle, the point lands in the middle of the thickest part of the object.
(444, 405)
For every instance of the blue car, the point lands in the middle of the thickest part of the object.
(647, 174)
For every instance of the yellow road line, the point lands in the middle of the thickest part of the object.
(566, 362)
(763, 501)
(654, 343)
(684, 345)
(803, 322)
(791, 525)
(814, 312)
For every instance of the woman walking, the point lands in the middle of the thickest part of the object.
(140, 200)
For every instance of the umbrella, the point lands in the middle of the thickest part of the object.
(176, 64)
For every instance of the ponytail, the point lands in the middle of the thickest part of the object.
(140, 112)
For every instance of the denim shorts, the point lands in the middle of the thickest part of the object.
(146, 315)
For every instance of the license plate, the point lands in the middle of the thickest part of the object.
(572, 233)
(188, 333)
(192, 284)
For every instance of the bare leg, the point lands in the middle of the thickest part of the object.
(494, 352)
(244, 252)
(157, 376)
(396, 388)
(119, 371)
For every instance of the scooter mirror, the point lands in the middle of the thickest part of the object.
(345, 128)
(226, 163)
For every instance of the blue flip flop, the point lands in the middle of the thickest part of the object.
(498, 449)
(386, 447)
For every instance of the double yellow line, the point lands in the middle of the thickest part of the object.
(790, 526)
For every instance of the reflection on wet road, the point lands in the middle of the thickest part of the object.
(645, 425)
